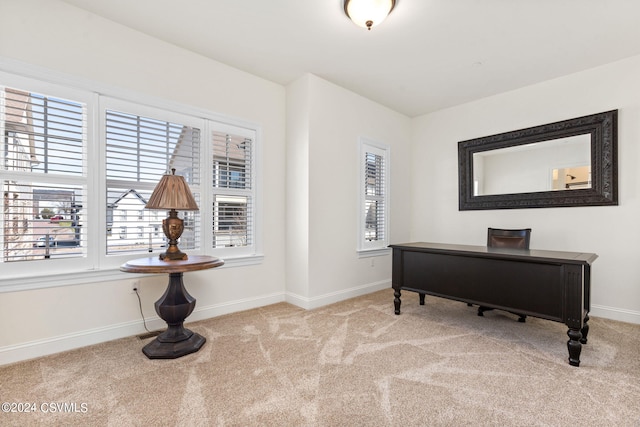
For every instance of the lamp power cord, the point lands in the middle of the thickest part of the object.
(144, 322)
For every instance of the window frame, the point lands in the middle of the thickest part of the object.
(113, 104)
(253, 193)
(378, 247)
(16, 270)
(96, 266)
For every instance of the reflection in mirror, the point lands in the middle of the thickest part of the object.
(571, 178)
(555, 165)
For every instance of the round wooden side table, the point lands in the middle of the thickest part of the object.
(174, 306)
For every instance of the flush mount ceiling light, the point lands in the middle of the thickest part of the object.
(368, 13)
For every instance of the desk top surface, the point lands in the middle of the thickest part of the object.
(156, 265)
(503, 253)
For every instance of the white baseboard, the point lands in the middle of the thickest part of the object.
(39, 348)
(202, 313)
(33, 349)
(60, 343)
(613, 313)
(333, 297)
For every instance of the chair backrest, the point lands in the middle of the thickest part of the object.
(501, 238)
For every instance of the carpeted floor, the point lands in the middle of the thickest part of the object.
(353, 363)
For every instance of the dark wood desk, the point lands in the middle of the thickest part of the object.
(547, 284)
(174, 306)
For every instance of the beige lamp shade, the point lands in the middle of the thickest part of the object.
(172, 192)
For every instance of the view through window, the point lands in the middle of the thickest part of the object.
(43, 163)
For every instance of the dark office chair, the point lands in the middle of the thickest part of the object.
(501, 238)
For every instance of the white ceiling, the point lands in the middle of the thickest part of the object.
(427, 55)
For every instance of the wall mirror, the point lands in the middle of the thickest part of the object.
(567, 163)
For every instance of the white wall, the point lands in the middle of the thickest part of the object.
(336, 119)
(70, 42)
(610, 232)
(297, 201)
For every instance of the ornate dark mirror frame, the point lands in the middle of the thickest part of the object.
(603, 128)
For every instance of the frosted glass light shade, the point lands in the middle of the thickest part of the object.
(368, 13)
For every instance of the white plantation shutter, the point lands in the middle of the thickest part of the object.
(373, 224)
(233, 188)
(374, 197)
(139, 150)
(43, 176)
(77, 169)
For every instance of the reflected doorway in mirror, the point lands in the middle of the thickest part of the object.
(571, 178)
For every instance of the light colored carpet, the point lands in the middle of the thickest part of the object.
(353, 363)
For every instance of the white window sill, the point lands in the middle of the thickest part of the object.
(367, 253)
(25, 283)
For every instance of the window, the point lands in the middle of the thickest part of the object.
(77, 168)
(373, 212)
(139, 150)
(43, 175)
(233, 187)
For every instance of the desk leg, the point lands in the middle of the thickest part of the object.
(574, 346)
(585, 329)
(173, 307)
(396, 300)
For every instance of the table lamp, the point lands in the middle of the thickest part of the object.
(173, 193)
